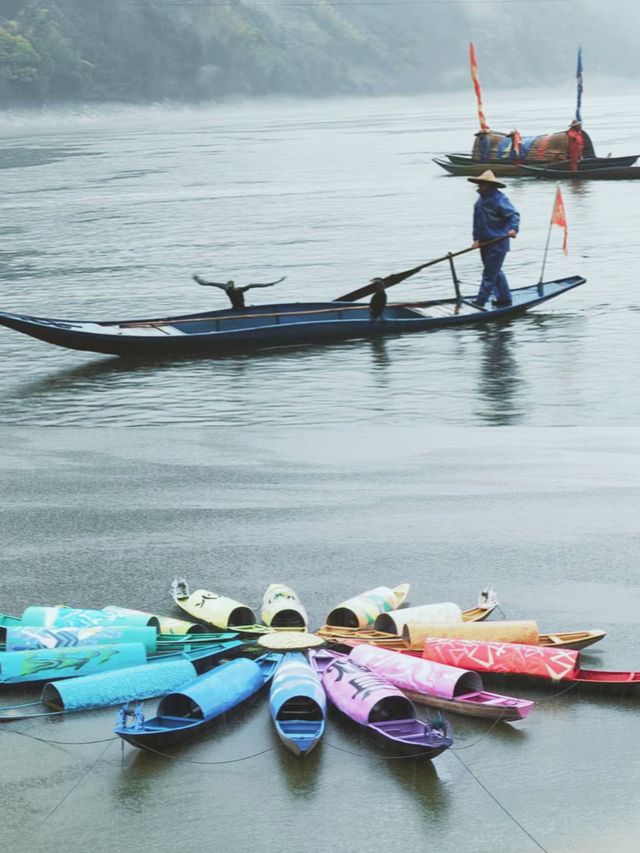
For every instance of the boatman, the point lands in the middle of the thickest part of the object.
(493, 216)
(575, 144)
(235, 294)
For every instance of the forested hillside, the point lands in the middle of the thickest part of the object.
(141, 50)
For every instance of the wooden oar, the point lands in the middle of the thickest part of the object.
(396, 278)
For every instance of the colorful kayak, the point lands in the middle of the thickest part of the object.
(281, 608)
(440, 686)
(361, 610)
(166, 624)
(552, 665)
(73, 617)
(22, 637)
(378, 706)
(145, 681)
(298, 704)
(45, 664)
(210, 607)
(188, 712)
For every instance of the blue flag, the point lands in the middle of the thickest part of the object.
(579, 79)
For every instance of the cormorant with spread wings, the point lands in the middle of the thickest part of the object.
(235, 294)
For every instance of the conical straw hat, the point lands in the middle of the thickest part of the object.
(486, 178)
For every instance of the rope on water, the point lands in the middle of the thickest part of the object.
(73, 788)
(57, 742)
(193, 761)
(499, 804)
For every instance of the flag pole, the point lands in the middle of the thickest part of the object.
(579, 86)
(546, 248)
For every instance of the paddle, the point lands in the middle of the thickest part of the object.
(396, 278)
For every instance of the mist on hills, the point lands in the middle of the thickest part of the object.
(54, 51)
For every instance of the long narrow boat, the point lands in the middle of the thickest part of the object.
(508, 631)
(584, 164)
(211, 607)
(608, 173)
(440, 686)
(122, 685)
(513, 659)
(382, 709)
(188, 712)
(214, 332)
(500, 170)
(166, 624)
(298, 704)
(76, 617)
(45, 664)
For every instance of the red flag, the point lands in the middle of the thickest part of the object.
(484, 127)
(559, 217)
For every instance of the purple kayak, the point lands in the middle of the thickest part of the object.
(378, 706)
(439, 685)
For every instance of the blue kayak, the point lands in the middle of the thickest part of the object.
(188, 712)
(298, 704)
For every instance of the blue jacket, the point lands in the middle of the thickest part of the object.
(494, 216)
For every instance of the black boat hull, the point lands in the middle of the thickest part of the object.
(269, 326)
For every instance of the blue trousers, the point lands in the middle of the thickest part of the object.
(494, 281)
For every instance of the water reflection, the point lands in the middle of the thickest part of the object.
(500, 382)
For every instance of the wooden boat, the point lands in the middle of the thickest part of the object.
(500, 170)
(487, 603)
(585, 163)
(23, 637)
(609, 173)
(507, 631)
(513, 659)
(281, 608)
(378, 706)
(189, 711)
(393, 621)
(210, 607)
(217, 332)
(101, 690)
(361, 610)
(298, 704)
(440, 686)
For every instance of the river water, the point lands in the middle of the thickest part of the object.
(331, 469)
(108, 213)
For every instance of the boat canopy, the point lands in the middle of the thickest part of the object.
(394, 621)
(215, 692)
(113, 688)
(414, 674)
(551, 146)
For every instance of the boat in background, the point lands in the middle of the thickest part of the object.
(379, 707)
(188, 712)
(601, 173)
(298, 704)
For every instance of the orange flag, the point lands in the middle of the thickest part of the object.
(559, 217)
(476, 85)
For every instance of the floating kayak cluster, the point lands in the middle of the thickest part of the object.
(373, 659)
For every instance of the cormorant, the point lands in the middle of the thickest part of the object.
(235, 294)
(378, 300)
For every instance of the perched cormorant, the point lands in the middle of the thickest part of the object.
(378, 300)
(235, 294)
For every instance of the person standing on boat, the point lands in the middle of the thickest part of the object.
(575, 144)
(235, 294)
(493, 216)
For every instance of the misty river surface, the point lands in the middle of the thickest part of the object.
(333, 469)
(107, 214)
